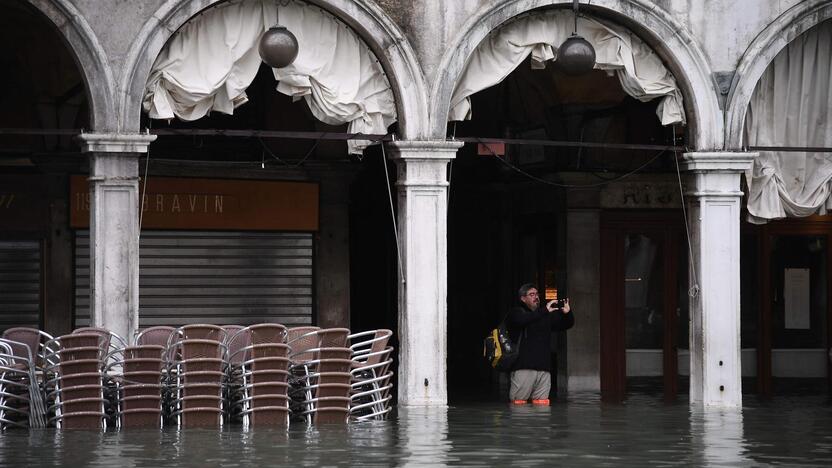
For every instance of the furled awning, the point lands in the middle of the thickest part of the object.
(208, 64)
(792, 106)
(640, 71)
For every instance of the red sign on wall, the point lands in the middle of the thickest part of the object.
(180, 203)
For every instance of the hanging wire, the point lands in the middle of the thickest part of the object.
(285, 163)
(392, 213)
(144, 186)
(571, 186)
(694, 288)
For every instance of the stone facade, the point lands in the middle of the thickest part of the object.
(717, 51)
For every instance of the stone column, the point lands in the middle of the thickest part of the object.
(583, 265)
(114, 229)
(714, 221)
(422, 168)
(333, 256)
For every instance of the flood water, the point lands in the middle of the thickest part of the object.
(578, 431)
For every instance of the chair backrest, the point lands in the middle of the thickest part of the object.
(267, 333)
(109, 340)
(237, 342)
(296, 332)
(368, 351)
(157, 336)
(232, 329)
(31, 337)
(202, 331)
(333, 337)
(200, 349)
(302, 345)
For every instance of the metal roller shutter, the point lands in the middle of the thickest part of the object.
(20, 279)
(214, 277)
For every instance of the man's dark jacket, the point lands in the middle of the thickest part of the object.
(533, 328)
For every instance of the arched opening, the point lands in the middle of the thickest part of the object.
(610, 217)
(786, 330)
(45, 91)
(236, 230)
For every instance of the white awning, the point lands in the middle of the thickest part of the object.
(640, 71)
(792, 106)
(208, 64)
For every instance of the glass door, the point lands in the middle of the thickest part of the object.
(643, 281)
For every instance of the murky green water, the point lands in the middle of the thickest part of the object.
(794, 431)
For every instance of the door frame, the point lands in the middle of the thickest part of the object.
(667, 225)
(811, 226)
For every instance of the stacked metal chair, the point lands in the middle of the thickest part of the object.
(27, 352)
(371, 375)
(33, 338)
(197, 373)
(259, 359)
(139, 387)
(21, 403)
(75, 383)
(321, 376)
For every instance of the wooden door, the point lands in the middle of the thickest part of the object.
(640, 298)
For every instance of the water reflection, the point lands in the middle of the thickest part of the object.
(581, 431)
(423, 433)
(720, 435)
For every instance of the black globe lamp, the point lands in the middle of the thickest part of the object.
(576, 55)
(278, 46)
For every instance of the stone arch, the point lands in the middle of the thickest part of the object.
(655, 27)
(371, 24)
(756, 59)
(90, 58)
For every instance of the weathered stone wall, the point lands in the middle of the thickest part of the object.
(105, 34)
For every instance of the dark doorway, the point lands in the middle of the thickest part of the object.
(795, 314)
(644, 315)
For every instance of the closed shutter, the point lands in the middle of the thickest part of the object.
(214, 277)
(20, 284)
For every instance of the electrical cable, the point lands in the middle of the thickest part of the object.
(144, 190)
(285, 163)
(573, 186)
(694, 288)
(392, 213)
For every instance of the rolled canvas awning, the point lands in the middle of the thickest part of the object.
(792, 106)
(208, 64)
(640, 71)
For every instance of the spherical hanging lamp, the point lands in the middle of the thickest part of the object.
(576, 55)
(278, 46)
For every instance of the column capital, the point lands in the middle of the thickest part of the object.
(425, 149)
(718, 161)
(115, 142)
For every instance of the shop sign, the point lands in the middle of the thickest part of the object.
(181, 203)
(641, 195)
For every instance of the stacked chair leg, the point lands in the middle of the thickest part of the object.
(76, 394)
(371, 375)
(262, 375)
(197, 376)
(21, 403)
(139, 388)
(261, 396)
(321, 377)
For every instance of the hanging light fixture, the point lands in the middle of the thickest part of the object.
(576, 55)
(278, 46)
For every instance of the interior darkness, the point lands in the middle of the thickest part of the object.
(505, 228)
(266, 109)
(43, 89)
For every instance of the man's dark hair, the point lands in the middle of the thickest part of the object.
(525, 289)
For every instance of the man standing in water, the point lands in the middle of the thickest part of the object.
(531, 324)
